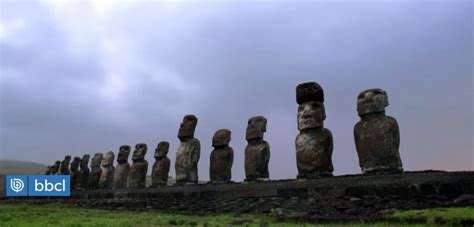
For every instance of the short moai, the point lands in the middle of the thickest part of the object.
(161, 167)
(189, 151)
(55, 168)
(106, 179)
(377, 136)
(74, 172)
(314, 143)
(222, 157)
(64, 168)
(122, 168)
(83, 173)
(94, 175)
(48, 170)
(257, 152)
(137, 173)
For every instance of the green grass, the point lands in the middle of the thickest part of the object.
(15, 214)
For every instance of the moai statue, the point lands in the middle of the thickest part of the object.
(55, 168)
(222, 157)
(83, 173)
(48, 170)
(188, 154)
(94, 175)
(123, 167)
(137, 173)
(377, 136)
(161, 168)
(74, 172)
(257, 152)
(64, 168)
(314, 143)
(106, 179)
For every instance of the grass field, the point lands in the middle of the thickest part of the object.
(61, 215)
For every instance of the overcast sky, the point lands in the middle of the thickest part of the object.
(85, 77)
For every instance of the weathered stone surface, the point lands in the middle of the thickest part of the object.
(314, 143)
(310, 91)
(137, 174)
(257, 152)
(94, 175)
(83, 173)
(74, 172)
(64, 168)
(122, 168)
(313, 153)
(55, 168)
(222, 157)
(377, 136)
(189, 151)
(107, 171)
(161, 167)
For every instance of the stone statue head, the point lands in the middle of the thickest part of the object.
(65, 162)
(139, 152)
(311, 115)
(310, 91)
(55, 167)
(372, 101)
(187, 127)
(96, 160)
(256, 127)
(75, 163)
(123, 154)
(162, 149)
(221, 138)
(84, 161)
(108, 159)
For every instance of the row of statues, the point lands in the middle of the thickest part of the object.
(376, 137)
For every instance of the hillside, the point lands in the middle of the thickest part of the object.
(10, 167)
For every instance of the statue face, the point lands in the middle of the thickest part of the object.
(221, 138)
(311, 115)
(85, 161)
(372, 101)
(65, 162)
(140, 152)
(97, 159)
(123, 154)
(256, 127)
(75, 163)
(187, 127)
(108, 159)
(162, 149)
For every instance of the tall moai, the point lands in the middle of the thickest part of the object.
(161, 167)
(377, 136)
(74, 172)
(123, 167)
(137, 173)
(64, 168)
(55, 168)
(257, 152)
(314, 143)
(222, 157)
(83, 172)
(106, 179)
(189, 151)
(94, 175)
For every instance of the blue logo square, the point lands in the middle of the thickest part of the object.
(17, 185)
(49, 185)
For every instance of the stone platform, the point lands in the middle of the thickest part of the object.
(342, 197)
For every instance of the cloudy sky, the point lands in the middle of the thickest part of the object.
(85, 77)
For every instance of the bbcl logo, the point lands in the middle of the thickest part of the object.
(38, 185)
